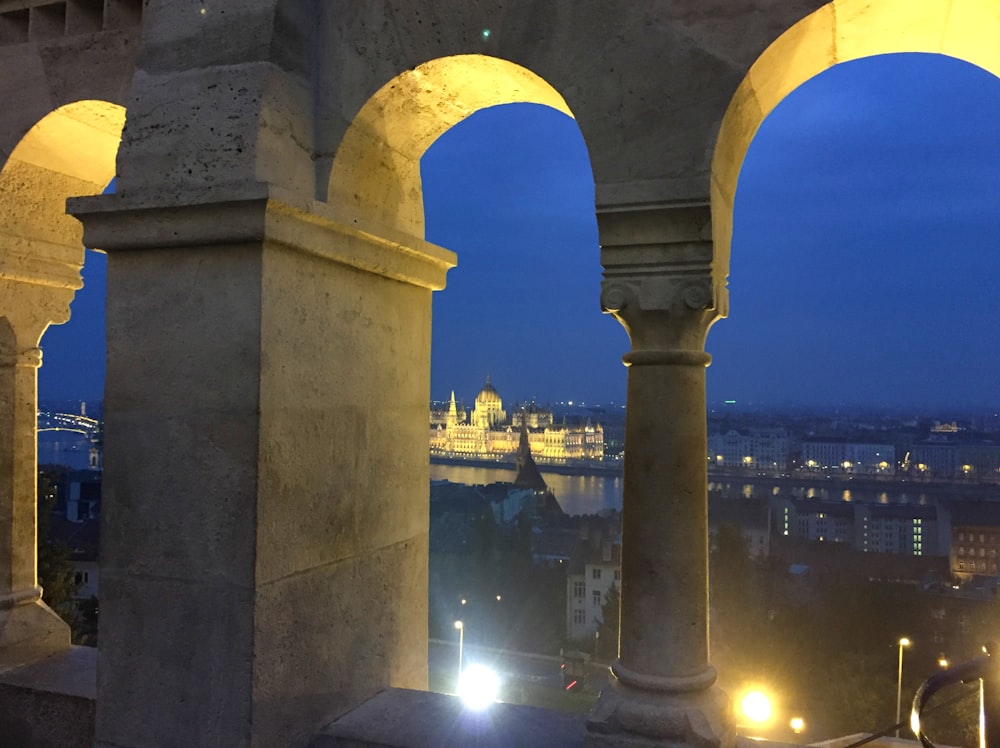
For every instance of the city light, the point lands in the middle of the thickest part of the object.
(797, 724)
(478, 686)
(903, 643)
(461, 645)
(756, 707)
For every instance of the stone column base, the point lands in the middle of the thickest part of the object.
(29, 631)
(627, 718)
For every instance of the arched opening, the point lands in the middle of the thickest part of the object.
(376, 172)
(411, 163)
(69, 152)
(864, 210)
(905, 257)
(510, 189)
(841, 31)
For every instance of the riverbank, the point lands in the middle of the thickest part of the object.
(613, 469)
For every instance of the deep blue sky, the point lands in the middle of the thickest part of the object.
(862, 265)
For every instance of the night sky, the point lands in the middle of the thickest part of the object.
(862, 265)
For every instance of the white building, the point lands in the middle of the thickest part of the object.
(764, 449)
(587, 590)
(840, 455)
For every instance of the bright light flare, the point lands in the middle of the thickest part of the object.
(756, 707)
(797, 724)
(478, 687)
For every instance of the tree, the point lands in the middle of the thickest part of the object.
(607, 630)
(56, 574)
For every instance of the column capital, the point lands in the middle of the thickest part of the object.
(661, 280)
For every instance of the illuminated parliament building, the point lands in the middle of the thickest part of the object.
(488, 433)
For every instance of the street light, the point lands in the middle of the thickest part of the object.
(904, 642)
(461, 641)
(756, 707)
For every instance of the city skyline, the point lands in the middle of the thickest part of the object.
(882, 170)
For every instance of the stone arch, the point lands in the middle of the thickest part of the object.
(840, 31)
(376, 170)
(69, 152)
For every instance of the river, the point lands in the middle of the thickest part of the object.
(577, 494)
(590, 494)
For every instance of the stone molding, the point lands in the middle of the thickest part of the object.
(31, 358)
(115, 224)
(38, 262)
(19, 597)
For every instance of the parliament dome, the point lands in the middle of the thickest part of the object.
(488, 394)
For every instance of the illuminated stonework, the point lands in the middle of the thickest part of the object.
(486, 433)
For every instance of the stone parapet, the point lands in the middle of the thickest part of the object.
(401, 718)
(50, 703)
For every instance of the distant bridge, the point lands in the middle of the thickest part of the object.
(70, 422)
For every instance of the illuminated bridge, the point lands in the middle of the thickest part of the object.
(72, 422)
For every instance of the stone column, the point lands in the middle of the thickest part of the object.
(264, 536)
(29, 629)
(662, 285)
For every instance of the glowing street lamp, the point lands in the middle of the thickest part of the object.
(478, 687)
(797, 724)
(461, 641)
(904, 642)
(756, 706)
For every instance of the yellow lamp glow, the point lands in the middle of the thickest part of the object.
(756, 707)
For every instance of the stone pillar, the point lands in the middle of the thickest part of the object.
(662, 285)
(265, 500)
(29, 629)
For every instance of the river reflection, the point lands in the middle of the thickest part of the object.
(577, 494)
(895, 495)
(590, 494)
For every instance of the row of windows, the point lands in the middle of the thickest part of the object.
(982, 552)
(973, 566)
(596, 574)
(971, 537)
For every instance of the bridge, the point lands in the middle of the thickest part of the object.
(70, 422)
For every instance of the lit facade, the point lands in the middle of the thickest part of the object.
(904, 530)
(488, 433)
(860, 458)
(945, 458)
(764, 449)
(975, 540)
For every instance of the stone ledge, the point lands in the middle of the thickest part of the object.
(401, 718)
(50, 703)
